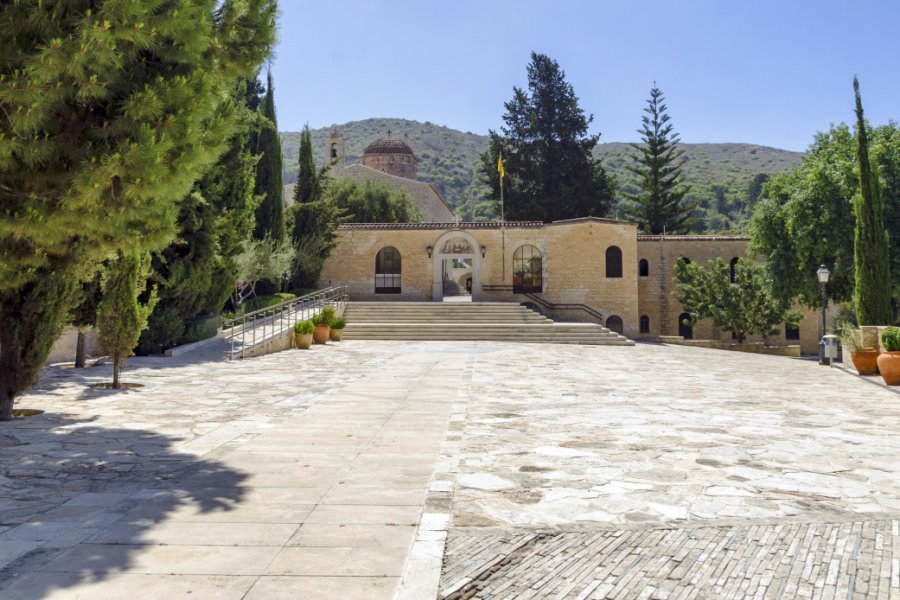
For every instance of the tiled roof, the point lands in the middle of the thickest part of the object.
(433, 226)
(693, 238)
(388, 145)
(592, 220)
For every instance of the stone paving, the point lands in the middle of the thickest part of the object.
(548, 471)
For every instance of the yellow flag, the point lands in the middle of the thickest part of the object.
(500, 167)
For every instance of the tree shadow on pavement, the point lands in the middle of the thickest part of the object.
(67, 483)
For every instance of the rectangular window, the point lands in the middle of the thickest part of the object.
(791, 333)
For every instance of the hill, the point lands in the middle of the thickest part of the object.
(722, 176)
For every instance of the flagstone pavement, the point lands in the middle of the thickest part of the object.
(457, 470)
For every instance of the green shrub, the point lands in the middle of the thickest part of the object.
(164, 328)
(304, 327)
(890, 339)
(200, 328)
(260, 302)
(328, 313)
(321, 319)
(338, 323)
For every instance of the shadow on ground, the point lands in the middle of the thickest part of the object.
(64, 480)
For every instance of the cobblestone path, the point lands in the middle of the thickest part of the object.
(853, 560)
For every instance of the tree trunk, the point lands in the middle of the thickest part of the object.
(79, 350)
(7, 373)
(117, 365)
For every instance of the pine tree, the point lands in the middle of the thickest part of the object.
(547, 152)
(120, 316)
(269, 184)
(870, 242)
(309, 182)
(99, 141)
(660, 207)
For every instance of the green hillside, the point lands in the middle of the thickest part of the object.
(720, 175)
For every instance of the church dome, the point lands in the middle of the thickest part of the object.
(388, 145)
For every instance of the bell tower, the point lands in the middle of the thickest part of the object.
(335, 149)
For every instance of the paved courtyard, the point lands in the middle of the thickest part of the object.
(469, 470)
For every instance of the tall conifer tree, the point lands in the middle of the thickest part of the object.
(99, 141)
(309, 182)
(269, 184)
(873, 273)
(551, 173)
(660, 206)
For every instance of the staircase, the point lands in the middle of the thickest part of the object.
(476, 321)
(451, 288)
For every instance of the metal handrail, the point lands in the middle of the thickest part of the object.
(276, 319)
(566, 306)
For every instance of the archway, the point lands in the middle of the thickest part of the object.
(456, 257)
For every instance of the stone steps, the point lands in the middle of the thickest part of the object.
(477, 321)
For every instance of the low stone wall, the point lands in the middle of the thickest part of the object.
(753, 348)
(64, 348)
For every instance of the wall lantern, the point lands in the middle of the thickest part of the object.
(429, 250)
(483, 251)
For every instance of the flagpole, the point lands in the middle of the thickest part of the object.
(502, 229)
(502, 172)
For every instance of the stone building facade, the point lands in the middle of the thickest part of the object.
(586, 269)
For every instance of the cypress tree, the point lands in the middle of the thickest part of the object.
(870, 241)
(309, 183)
(269, 184)
(99, 141)
(120, 316)
(660, 206)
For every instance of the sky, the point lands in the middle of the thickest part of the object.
(756, 71)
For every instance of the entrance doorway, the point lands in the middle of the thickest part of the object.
(456, 266)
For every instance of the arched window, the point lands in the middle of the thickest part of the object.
(684, 259)
(334, 151)
(614, 323)
(644, 268)
(613, 262)
(528, 268)
(685, 326)
(732, 269)
(387, 271)
(645, 324)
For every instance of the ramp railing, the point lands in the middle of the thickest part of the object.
(246, 331)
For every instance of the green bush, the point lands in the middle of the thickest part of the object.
(321, 319)
(260, 302)
(338, 323)
(890, 339)
(304, 327)
(164, 328)
(200, 328)
(328, 313)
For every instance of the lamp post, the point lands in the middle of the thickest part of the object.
(823, 274)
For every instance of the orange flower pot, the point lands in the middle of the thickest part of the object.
(889, 367)
(321, 334)
(865, 361)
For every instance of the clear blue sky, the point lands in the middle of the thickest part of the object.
(769, 72)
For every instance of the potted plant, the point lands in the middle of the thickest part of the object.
(322, 321)
(303, 334)
(864, 357)
(889, 359)
(337, 329)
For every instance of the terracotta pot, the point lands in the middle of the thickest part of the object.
(889, 367)
(336, 334)
(303, 340)
(320, 335)
(865, 361)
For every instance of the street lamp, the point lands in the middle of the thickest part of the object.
(823, 274)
